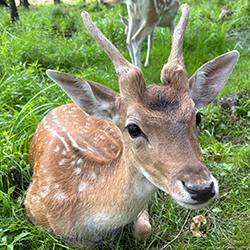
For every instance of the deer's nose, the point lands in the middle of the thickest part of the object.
(200, 194)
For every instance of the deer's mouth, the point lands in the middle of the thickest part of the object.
(190, 205)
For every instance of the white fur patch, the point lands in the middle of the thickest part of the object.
(93, 176)
(61, 162)
(78, 171)
(60, 195)
(44, 192)
(74, 144)
(57, 149)
(62, 140)
(82, 186)
(79, 161)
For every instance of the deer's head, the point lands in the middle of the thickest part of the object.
(159, 124)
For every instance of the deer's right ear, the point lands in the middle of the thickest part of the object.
(93, 98)
(208, 81)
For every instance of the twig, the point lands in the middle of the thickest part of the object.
(176, 237)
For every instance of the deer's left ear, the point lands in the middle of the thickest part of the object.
(208, 81)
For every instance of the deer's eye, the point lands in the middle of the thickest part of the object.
(198, 118)
(133, 130)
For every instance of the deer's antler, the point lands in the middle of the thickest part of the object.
(131, 79)
(178, 36)
(118, 60)
(175, 68)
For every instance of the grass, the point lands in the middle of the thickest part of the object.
(54, 37)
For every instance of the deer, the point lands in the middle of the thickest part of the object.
(144, 17)
(225, 12)
(98, 161)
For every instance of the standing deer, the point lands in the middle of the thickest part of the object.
(224, 12)
(95, 172)
(144, 16)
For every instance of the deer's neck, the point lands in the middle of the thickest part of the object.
(122, 188)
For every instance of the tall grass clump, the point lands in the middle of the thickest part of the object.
(53, 36)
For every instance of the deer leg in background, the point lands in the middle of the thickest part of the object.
(137, 40)
(150, 44)
(129, 44)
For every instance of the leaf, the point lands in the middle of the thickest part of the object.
(217, 210)
(11, 190)
(21, 235)
(196, 225)
(17, 238)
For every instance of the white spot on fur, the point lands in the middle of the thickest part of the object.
(62, 139)
(37, 199)
(82, 187)
(93, 176)
(64, 152)
(56, 185)
(90, 149)
(73, 163)
(61, 162)
(60, 195)
(79, 161)
(78, 170)
(34, 199)
(74, 144)
(44, 192)
(47, 127)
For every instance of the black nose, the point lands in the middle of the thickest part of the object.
(200, 194)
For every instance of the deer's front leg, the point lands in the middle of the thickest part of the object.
(142, 227)
(138, 38)
(150, 44)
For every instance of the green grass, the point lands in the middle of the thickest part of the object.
(54, 37)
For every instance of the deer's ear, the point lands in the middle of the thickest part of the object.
(208, 81)
(93, 98)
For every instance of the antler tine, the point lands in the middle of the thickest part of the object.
(120, 63)
(178, 36)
